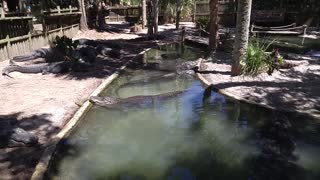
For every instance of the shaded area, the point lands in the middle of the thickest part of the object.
(302, 94)
(19, 162)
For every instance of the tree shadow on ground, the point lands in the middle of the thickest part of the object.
(19, 162)
(106, 64)
(302, 93)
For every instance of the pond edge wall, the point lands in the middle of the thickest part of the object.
(44, 162)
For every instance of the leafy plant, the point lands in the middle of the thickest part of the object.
(203, 23)
(64, 44)
(257, 59)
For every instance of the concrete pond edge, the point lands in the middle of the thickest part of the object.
(240, 99)
(44, 162)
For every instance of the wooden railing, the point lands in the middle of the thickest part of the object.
(17, 37)
(290, 29)
(11, 27)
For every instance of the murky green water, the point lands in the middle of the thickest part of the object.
(197, 135)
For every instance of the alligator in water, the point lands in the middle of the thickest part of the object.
(134, 101)
(45, 68)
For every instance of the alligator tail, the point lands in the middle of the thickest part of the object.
(23, 69)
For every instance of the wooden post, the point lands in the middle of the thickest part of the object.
(304, 29)
(30, 26)
(44, 28)
(2, 14)
(60, 24)
(8, 46)
(30, 41)
(183, 33)
(59, 10)
(70, 8)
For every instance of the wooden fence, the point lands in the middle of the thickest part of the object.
(227, 11)
(128, 13)
(17, 37)
(125, 13)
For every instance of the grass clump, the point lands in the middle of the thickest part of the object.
(257, 59)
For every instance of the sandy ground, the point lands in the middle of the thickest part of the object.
(294, 90)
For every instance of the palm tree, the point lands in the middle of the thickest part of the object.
(242, 35)
(144, 13)
(155, 16)
(178, 13)
(213, 24)
(83, 20)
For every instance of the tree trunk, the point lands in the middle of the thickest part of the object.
(83, 19)
(150, 18)
(242, 35)
(144, 13)
(213, 25)
(155, 16)
(178, 12)
(165, 4)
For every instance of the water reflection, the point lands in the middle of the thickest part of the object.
(276, 146)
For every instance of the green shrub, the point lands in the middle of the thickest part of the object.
(64, 44)
(258, 60)
(203, 23)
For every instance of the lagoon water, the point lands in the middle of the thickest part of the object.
(197, 135)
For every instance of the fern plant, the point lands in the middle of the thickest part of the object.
(257, 59)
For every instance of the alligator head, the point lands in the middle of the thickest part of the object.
(104, 101)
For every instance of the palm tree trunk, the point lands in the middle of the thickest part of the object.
(242, 35)
(83, 19)
(150, 18)
(165, 4)
(155, 16)
(178, 12)
(144, 13)
(213, 26)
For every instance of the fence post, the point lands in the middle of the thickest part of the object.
(8, 46)
(30, 40)
(60, 24)
(59, 10)
(70, 8)
(304, 29)
(2, 14)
